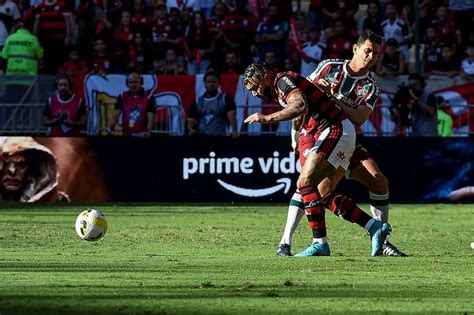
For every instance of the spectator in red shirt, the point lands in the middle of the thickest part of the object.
(52, 27)
(75, 65)
(339, 46)
(215, 24)
(448, 64)
(166, 35)
(123, 35)
(448, 29)
(199, 44)
(140, 59)
(343, 10)
(140, 19)
(239, 28)
(101, 60)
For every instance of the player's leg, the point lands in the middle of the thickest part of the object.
(296, 206)
(331, 151)
(295, 213)
(315, 169)
(367, 172)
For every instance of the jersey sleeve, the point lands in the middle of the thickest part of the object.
(316, 74)
(286, 85)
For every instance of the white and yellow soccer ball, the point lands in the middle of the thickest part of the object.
(91, 225)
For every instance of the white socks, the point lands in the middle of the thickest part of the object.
(322, 240)
(295, 213)
(379, 206)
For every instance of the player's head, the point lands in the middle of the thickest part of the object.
(258, 79)
(134, 82)
(211, 82)
(63, 84)
(366, 50)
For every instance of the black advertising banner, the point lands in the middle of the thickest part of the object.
(220, 169)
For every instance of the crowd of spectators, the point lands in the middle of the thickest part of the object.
(192, 36)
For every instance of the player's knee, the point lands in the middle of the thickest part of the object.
(303, 181)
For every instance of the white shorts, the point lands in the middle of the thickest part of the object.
(336, 144)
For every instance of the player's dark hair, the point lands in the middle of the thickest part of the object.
(370, 36)
(256, 72)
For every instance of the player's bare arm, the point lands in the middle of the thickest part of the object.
(357, 115)
(297, 106)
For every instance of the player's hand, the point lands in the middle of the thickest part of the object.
(325, 86)
(257, 117)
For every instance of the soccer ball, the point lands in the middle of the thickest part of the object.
(91, 225)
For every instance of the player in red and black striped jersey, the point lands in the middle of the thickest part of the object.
(355, 92)
(327, 132)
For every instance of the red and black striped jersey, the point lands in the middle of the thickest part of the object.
(353, 91)
(322, 112)
(52, 25)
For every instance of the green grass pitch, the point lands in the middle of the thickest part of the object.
(221, 260)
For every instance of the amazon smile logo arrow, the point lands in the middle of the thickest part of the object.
(284, 183)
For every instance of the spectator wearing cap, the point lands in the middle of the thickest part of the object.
(312, 52)
(392, 62)
(445, 121)
(467, 66)
(448, 64)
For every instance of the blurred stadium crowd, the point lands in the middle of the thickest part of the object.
(191, 36)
